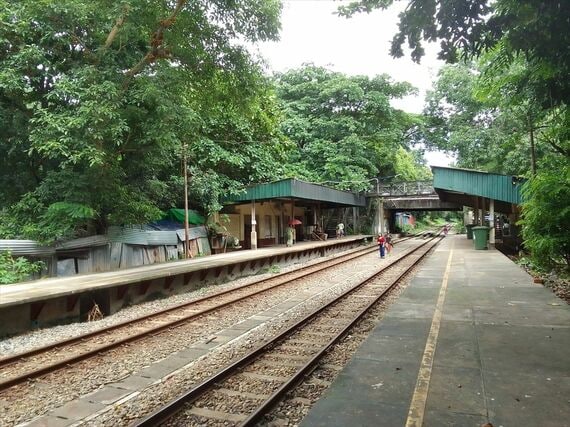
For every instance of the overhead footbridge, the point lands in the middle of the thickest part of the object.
(413, 196)
(452, 189)
(405, 197)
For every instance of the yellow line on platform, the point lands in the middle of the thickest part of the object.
(419, 399)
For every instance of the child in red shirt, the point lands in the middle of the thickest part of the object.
(381, 241)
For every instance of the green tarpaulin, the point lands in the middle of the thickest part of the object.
(178, 216)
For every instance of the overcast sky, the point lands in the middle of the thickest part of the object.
(312, 33)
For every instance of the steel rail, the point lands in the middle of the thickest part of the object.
(307, 368)
(10, 382)
(17, 357)
(176, 405)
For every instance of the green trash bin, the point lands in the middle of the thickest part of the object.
(469, 228)
(480, 237)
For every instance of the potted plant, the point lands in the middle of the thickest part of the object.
(216, 234)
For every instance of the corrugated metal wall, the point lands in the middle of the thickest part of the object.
(26, 247)
(120, 248)
(130, 247)
(135, 236)
(123, 255)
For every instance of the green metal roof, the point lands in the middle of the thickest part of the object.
(506, 188)
(295, 189)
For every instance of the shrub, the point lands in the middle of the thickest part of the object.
(14, 270)
(546, 215)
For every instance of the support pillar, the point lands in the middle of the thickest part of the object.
(492, 221)
(292, 219)
(466, 215)
(381, 216)
(476, 211)
(282, 225)
(253, 224)
(354, 220)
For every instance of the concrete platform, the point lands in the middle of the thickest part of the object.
(59, 300)
(472, 340)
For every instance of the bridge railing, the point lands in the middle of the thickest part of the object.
(416, 188)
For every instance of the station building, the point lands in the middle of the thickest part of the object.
(259, 216)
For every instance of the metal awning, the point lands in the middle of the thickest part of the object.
(463, 186)
(300, 191)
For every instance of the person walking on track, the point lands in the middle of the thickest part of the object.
(381, 241)
(389, 245)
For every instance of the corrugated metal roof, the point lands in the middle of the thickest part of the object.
(161, 238)
(84, 242)
(135, 236)
(193, 233)
(25, 247)
(293, 188)
(132, 236)
(506, 188)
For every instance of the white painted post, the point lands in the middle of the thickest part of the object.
(381, 215)
(354, 220)
(253, 223)
(492, 221)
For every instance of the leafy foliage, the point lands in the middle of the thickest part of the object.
(344, 128)
(484, 122)
(546, 216)
(534, 29)
(99, 98)
(518, 105)
(14, 270)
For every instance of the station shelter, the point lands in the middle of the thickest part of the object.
(495, 199)
(259, 216)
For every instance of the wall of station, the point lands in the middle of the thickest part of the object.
(267, 217)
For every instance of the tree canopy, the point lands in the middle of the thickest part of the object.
(98, 99)
(344, 129)
(513, 102)
(536, 30)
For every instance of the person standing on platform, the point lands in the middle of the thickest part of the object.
(381, 241)
(340, 230)
(290, 235)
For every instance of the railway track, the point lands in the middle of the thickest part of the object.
(243, 392)
(19, 368)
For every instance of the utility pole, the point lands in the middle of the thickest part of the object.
(188, 253)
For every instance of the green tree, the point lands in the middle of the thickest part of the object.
(542, 132)
(534, 29)
(98, 98)
(488, 125)
(344, 127)
(14, 270)
(525, 61)
(546, 216)
(476, 129)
